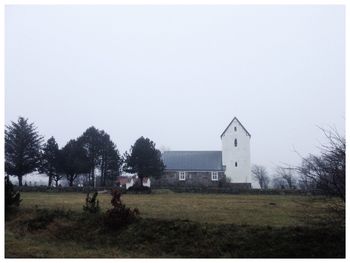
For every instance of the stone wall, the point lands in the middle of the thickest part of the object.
(202, 179)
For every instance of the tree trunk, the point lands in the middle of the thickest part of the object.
(89, 178)
(71, 178)
(93, 176)
(20, 177)
(104, 175)
(102, 172)
(56, 181)
(50, 180)
(141, 181)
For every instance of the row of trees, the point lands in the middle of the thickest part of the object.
(324, 172)
(283, 177)
(93, 150)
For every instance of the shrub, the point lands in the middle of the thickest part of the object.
(120, 215)
(12, 197)
(138, 189)
(163, 191)
(91, 204)
(44, 217)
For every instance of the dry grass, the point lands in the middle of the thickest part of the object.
(243, 226)
(43, 247)
(273, 210)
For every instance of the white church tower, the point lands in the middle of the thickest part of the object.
(236, 152)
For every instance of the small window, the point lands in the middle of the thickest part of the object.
(214, 176)
(235, 128)
(236, 164)
(235, 142)
(182, 176)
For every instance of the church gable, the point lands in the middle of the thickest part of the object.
(232, 125)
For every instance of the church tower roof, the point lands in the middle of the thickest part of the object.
(235, 118)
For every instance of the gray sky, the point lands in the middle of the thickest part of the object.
(179, 74)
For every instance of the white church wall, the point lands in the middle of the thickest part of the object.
(240, 154)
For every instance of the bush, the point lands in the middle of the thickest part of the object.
(120, 215)
(44, 188)
(91, 204)
(44, 217)
(163, 191)
(12, 197)
(138, 189)
(233, 190)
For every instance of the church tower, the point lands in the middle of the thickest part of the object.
(236, 152)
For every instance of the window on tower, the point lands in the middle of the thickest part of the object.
(235, 142)
(235, 128)
(236, 164)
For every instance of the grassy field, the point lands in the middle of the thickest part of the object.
(274, 210)
(181, 225)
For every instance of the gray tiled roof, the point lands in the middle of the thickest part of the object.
(193, 160)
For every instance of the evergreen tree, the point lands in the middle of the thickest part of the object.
(22, 148)
(73, 161)
(110, 160)
(144, 159)
(49, 160)
(91, 141)
(102, 154)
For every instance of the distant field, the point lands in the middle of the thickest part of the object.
(273, 210)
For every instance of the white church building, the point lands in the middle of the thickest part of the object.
(212, 168)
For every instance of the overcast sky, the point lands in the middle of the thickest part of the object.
(179, 74)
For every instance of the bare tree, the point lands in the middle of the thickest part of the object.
(279, 183)
(304, 182)
(288, 175)
(260, 174)
(327, 171)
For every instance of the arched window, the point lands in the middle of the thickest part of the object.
(235, 128)
(235, 142)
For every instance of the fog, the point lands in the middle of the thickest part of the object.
(179, 74)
